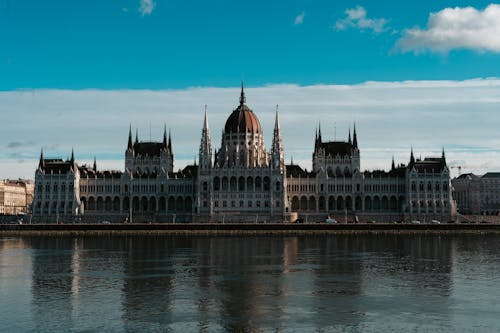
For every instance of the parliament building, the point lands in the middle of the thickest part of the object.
(241, 181)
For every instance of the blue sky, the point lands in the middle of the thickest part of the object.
(112, 45)
(75, 74)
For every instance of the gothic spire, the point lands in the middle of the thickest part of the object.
(393, 166)
(412, 158)
(170, 143)
(277, 126)
(136, 135)
(349, 138)
(41, 163)
(205, 158)
(355, 138)
(165, 136)
(95, 165)
(277, 150)
(319, 132)
(242, 95)
(443, 157)
(72, 156)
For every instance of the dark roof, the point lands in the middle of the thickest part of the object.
(296, 171)
(467, 175)
(86, 171)
(149, 148)
(337, 148)
(56, 166)
(430, 165)
(491, 175)
(397, 172)
(190, 171)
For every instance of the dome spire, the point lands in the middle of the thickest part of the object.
(242, 95)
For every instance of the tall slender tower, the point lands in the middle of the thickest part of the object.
(204, 188)
(277, 149)
(205, 156)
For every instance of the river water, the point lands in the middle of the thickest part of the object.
(250, 284)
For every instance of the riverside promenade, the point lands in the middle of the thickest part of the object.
(243, 229)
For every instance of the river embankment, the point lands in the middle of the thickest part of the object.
(242, 229)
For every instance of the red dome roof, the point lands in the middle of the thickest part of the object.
(242, 119)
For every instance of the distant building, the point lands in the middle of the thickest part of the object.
(241, 181)
(477, 194)
(15, 196)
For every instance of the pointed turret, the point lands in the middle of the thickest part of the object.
(170, 143)
(165, 143)
(319, 132)
(393, 166)
(130, 144)
(355, 138)
(136, 135)
(443, 157)
(412, 158)
(205, 157)
(277, 150)
(41, 163)
(95, 165)
(72, 156)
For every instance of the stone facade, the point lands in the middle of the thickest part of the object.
(16, 196)
(241, 181)
(479, 195)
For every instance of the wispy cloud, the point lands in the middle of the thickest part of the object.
(390, 117)
(357, 18)
(455, 28)
(146, 7)
(299, 19)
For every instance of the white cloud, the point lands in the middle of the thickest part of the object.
(456, 28)
(300, 18)
(356, 18)
(146, 7)
(390, 117)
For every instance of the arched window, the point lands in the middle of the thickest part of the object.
(258, 183)
(266, 183)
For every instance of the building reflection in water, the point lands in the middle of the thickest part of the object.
(238, 283)
(75, 283)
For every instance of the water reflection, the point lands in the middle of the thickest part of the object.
(245, 284)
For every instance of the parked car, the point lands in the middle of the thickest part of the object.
(330, 220)
(435, 222)
(415, 222)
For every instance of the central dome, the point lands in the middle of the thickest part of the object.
(242, 119)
